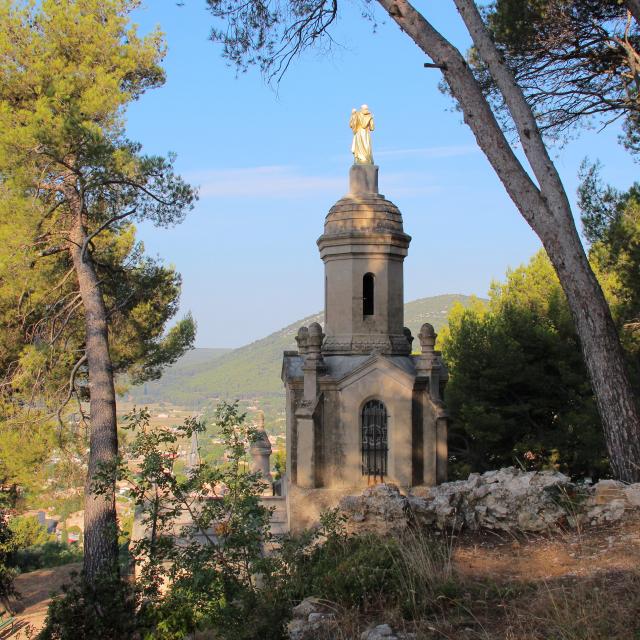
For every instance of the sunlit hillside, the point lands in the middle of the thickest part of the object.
(254, 370)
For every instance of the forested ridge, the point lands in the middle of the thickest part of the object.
(254, 369)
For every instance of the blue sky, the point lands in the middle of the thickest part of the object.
(270, 163)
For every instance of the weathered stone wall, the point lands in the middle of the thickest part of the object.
(306, 505)
(507, 500)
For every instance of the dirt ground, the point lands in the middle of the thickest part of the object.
(36, 588)
(503, 558)
(614, 547)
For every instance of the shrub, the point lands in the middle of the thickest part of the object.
(44, 556)
(353, 571)
(7, 574)
(206, 581)
(107, 611)
(27, 532)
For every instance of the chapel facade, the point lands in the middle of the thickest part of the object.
(361, 408)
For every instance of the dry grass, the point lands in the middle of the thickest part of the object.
(602, 607)
(581, 586)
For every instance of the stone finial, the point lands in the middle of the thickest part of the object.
(427, 337)
(315, 338)
(407, 334)
(302, 340)
(260, 449)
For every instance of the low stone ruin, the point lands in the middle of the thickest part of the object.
(505, 500)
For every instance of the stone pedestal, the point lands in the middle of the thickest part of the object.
(363, 178)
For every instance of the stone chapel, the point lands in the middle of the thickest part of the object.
(361, 408)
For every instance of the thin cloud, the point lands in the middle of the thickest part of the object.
(407, 184)
(285, 182)
(264, 182)
(429, 152)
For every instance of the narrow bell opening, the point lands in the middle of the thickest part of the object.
(367, 294)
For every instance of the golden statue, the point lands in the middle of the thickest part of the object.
(361, 123)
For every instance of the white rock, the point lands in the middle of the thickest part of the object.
(504, 499)
(632, 494)
(381, 632)
(317, 617)
(307, 607)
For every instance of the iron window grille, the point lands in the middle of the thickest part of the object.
(374, 440)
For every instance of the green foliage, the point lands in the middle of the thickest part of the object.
(212, 573)
(69, 69)
(45, 555)
(519, 392)
(28, 546)
(280, 463)
(409, 573)
(107, 610)
(611, 221)
(27, 532)
(7, 546)
(354, 571)
(575, 60)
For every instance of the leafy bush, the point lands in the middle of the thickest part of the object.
(7, 574)
(31, 547)
(351, 570)
(44, 556)
(519, 391)
(108, 611)
(28, 532)
(209, 580)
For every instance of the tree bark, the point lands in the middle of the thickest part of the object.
(634, 7)
(100, 524)
(547, 210)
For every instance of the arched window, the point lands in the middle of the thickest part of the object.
(367, 294)
(374, 440)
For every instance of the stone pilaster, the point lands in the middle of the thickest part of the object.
(312, 368)
(431, 368)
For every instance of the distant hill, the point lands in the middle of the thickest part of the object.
(254, 370)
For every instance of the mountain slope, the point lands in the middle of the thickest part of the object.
(254, 370)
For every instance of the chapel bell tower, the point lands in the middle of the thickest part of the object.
(363, 248)
(361, 407)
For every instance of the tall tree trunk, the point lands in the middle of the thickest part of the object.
(100, 524)
(634, 7)
(547, 210)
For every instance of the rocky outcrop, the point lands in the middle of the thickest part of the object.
(506, 499)
(315, 618)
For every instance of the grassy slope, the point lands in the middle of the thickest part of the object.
(254, 370)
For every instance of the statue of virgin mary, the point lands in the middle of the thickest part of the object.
(361, 123)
